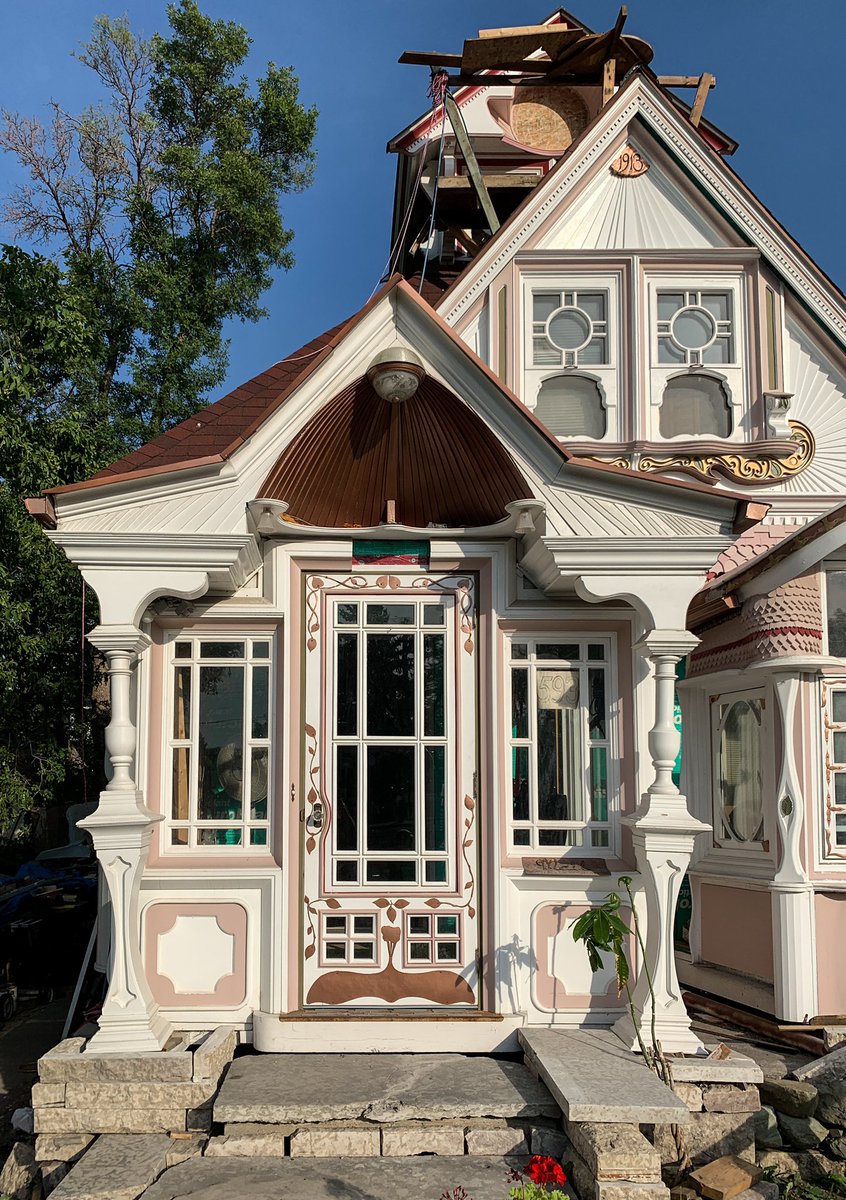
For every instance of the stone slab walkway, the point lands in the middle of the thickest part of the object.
(332, 1178)
(296, 1088)
(594, 1078)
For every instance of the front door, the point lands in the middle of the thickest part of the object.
(390, 853)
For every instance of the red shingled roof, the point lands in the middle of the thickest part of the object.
(214, 431)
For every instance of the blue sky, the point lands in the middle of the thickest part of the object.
(777, 68)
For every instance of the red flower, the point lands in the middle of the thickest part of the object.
(543, 1169)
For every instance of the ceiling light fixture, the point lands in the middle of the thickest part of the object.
(395, 374)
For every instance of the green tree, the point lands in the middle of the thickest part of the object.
(158, 211)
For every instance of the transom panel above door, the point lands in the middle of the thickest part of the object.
(390, 854)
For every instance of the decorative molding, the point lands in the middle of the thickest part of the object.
(629, 164)
(747, 467)
(195, 954)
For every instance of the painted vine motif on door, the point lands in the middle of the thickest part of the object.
(397, 945)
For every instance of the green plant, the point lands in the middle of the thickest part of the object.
(604, 931)
(794, 1187)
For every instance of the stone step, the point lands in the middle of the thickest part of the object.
(378, 1088)
(595, 1078)
(330, 1178)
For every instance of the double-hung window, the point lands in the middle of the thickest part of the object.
(221, 715)
(834, 715)
(561, 745)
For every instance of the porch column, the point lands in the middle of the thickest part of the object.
(121, 828)
(792, 893)
(663, 833)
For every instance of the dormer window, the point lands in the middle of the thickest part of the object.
(697, 386)
(571, 361)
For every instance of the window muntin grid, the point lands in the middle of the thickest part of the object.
(570, 327)
(695, 327)
(562, 768)
(220, 717)
(393, 721)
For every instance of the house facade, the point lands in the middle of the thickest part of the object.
(394, 629)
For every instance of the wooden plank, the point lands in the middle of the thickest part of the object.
(466, 147)
(522, 31)
(683, 81)
(429, 58)
(463, 182)
(511, 52)
(608, 75)
(725, 1178)
(701, 96)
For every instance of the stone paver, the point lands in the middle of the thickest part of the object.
(594, 1078)
(335, 1143)
(117, 1167)
(407, 1140)
(169, 1066)
(333, 1178)
(821, 1071)
(278, 1088)
(213, 1054)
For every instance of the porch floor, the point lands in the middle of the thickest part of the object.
(380, 1088)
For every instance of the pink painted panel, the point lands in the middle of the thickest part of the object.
(831, 965)
(737, 930)
(230, 990)
(551, 941)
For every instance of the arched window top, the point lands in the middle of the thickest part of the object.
(695, 404)
(571, 406)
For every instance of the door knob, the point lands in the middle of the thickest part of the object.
(317, 814)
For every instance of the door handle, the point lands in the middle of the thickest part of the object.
(317, 815)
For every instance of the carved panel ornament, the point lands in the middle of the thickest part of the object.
(629, 164)
(741, 466)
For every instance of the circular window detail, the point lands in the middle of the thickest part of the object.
(693, 328)
(569, 329)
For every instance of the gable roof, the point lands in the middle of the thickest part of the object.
(237, 416)
(641, 96)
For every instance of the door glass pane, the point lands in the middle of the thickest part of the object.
(182, 703)
(433, 614)
(382, 871)
(390, 684)
(433, 685)
(436, 872)
(520, 704)
(390, 798)
(346, 797)
(435, 798)
(520, 783)
(390, 614)
(838, 704)
(840, 747)
(347, 713)
(261, 680)
(347, 614)
(221, 729)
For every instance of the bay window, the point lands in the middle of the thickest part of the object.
(221, 713)
(562, 768)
